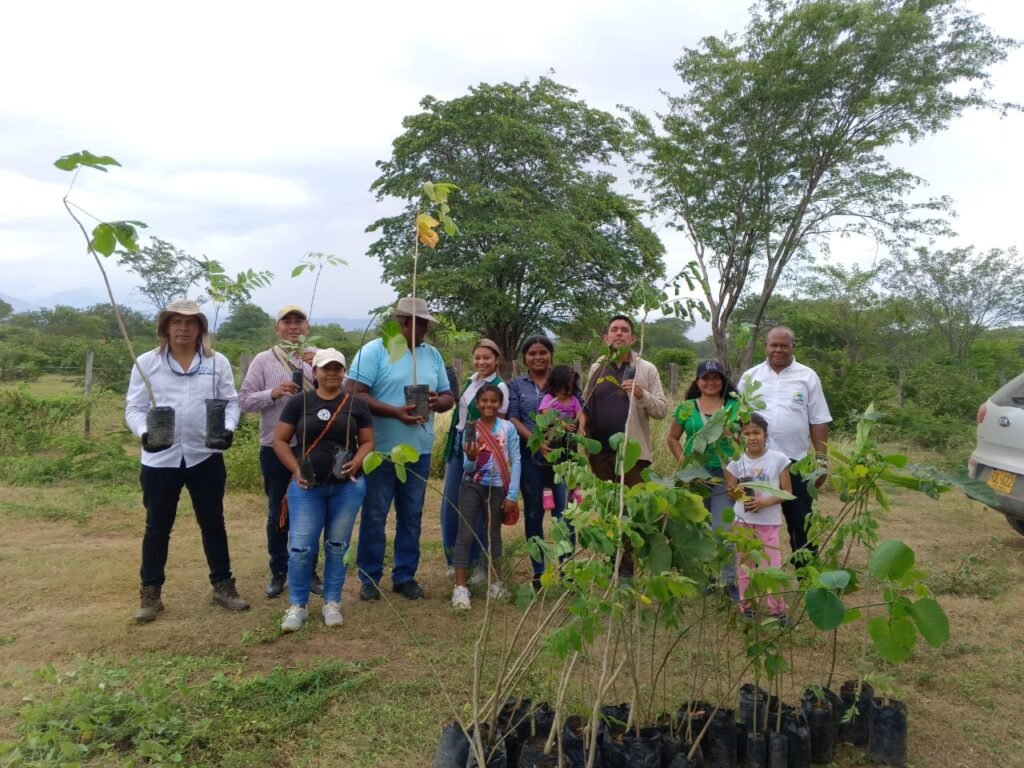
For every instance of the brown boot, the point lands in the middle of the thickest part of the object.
(225, 594)
(151, 604)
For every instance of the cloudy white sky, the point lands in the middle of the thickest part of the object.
(248, 131)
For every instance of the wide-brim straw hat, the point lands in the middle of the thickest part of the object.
(408, 306)
(188, 308)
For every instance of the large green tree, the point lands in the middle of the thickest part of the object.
(779, 141)
(167, 272)
(544, 238)
(961, 293)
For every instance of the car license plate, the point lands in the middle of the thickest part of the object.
(1001, 482)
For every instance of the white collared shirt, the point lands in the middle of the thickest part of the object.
(793, 401)
(475, 382)
(186, 392)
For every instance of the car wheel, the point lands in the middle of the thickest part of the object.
(1017, 525)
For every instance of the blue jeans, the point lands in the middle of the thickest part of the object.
(276, 479)
(535, 478)
(383, 487)
(450, 511)
(716, 504)
(331, 508)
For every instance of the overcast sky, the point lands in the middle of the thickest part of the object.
(248, 131)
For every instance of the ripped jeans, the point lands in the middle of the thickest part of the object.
(331, 508)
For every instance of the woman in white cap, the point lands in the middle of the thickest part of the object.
(179, 371)
(333, 434)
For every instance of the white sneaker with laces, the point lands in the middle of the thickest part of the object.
(332, 614)
(460, 598)
(497, 591)
(294, 618)
(479, 576)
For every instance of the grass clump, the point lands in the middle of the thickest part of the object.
(974, 576)
(152, 711)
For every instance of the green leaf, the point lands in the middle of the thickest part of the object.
(590, 445)
(897, 460)
(400, 473)
(404, 454)
(632, 452)
(300, 269)
(894, 639)
(768, 490)
(104, 240)
(834, 579)
(824, 608)
(659, 554)
(931, 620)
(84, 158)
(373, 460)
(891, 559)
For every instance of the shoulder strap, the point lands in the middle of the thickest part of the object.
(327, 426)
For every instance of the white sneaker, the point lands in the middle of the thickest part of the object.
(294, 618)
(497, 591)
(479, 576)
(460, 598)
(332, 614)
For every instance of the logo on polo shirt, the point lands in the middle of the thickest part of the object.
(323, 414)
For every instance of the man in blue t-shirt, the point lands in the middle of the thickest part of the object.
(381, 384)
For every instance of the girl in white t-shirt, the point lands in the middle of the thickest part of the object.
(762, 512)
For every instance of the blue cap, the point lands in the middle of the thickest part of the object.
(710, 366)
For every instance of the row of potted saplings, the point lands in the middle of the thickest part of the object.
(766, 735)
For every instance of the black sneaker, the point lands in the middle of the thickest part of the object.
(316, 585)
(276, 584)
(410, 590)
(369, 592)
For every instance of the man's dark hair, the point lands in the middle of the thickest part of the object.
(627, 318)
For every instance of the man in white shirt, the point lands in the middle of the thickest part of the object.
(797, 416)
(183, 373)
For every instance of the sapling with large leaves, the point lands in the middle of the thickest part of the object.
(106, 236)
(223, 289)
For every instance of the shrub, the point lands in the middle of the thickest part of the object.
(28, 423)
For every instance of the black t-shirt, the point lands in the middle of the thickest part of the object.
(343, 433)
(609, 405)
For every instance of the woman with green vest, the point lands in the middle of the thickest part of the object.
(710, 392)
(486, 355)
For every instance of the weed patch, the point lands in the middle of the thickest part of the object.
(974, 576)
(151, 711)
(73, 458)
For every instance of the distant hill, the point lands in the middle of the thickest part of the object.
(18, 305)
(347, 323)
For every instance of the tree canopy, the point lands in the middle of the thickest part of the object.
(167, 272)
(780, 138)
(544, 238)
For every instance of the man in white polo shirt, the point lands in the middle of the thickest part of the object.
(797, 416)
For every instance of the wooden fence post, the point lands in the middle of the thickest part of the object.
(244, 361)
(88, 392)
(457, 367)
(673, 379)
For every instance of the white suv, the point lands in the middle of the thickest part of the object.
(998, 459)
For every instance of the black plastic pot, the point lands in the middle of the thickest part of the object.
(644, 749)
(574, 746)
(757, 751)
(494, 750)
(628, 373)
(682, 761)
(855, 730)
(452, 749)
(298, 378)
(543, 719)
(887, 732)
(721, 741)
(778, 750)
(798, 737)
(692, 717)
(306, 472)
(753, 703)
(531, 755)
(820, 724)
(216, 435)
(418, 395)
(515, 721)
(160, 427)
(614, 748)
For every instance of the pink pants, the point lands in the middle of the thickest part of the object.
(772, 557)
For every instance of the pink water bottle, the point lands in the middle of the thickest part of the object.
(549, 500)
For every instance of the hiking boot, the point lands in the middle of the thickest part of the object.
(410, 590)
(225, 595)
(316, 585)
(276, 584)
(460, 598)
(369, 592)
(151, 604)
(332, 614)
(294, 618)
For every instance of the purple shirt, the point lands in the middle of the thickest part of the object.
(266, 372)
